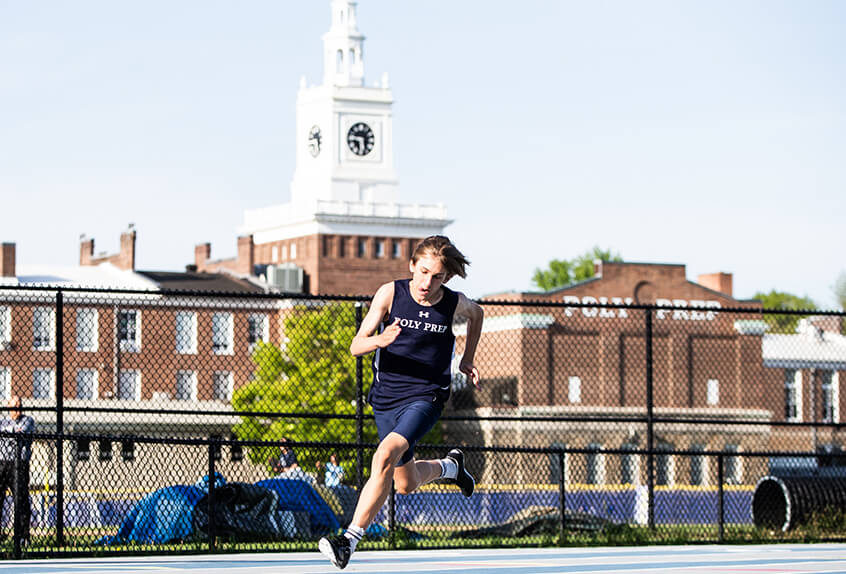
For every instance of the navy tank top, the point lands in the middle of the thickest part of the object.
(416, 366)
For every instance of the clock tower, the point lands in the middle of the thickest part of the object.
(344, 227)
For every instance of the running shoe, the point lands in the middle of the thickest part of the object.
(464, 479)
(336, 549)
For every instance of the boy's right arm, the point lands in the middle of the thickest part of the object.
(365, 341)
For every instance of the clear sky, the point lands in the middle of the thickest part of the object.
(710, 133)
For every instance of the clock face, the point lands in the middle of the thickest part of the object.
(314, 139)
(360, 139)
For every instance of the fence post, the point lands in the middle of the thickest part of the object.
(212, 481)
(562, 494)
(720, 507)
(359, 403)
(60, 420)
(650, 438)
(16, 519)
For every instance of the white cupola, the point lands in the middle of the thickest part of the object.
(343, 47)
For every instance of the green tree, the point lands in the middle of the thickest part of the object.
(776, 300)
(313, 373)
(564, 272)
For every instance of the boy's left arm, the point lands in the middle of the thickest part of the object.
(474, 314)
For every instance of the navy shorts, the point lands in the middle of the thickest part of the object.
(411, 421)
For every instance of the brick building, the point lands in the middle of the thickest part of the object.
(591, 362)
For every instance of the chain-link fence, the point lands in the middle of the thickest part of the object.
(642, 422)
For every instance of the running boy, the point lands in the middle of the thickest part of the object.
(411, 380)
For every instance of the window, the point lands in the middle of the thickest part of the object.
(186, 332)
(352, 57)
(5, 383)
(792, 395)
(186, 386)
(129, 330)
(630, 465)
(395, 249)
(129, 385)
(293, 251)
(713, 392)
(127, 450)
(86, 383)
(87, 339)
(380, 248)
(665, 474)
(274, 253)
(595, 464)
(43, 328)
(698, 466)
(105, 450)
(83, 449)
(257, 329)
(361, 250)
(222, 333)
(284, 253)
(43, 384)
(830, 397)
(342, 243)
(5, 327)
(574, 390)
(326, 243)
(222, 386)
(339, 62)
(732, 465)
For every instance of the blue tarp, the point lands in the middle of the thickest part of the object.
(299, 496)
(163, 516)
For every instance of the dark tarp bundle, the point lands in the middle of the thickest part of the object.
(244, 512)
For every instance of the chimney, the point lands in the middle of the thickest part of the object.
(86, 250)
(202, 253)
(720, 282)
(245, 255)
(126, 258)
(7, 260)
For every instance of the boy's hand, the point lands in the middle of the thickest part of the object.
(472, 373)
(390, 334)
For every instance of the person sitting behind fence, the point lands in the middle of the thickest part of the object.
(286, 466)
(17, 423)
(334, 472)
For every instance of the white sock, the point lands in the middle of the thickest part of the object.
(449, 469)
(355, 534)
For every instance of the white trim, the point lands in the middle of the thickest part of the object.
(51, 383)
(51, 327)
(835, 397)
(92, 324)
(796, 390)
(5, 327)
(230, 384)
(5, 383)
(228, 333)
(184, 347)
(712, 393)
(95, 384)
(510, 323)
(129, 345)
(137, 373)
(574, 390)
(265, 328)
(192, 385)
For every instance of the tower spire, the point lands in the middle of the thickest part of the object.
(343, 47)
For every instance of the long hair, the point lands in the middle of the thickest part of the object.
(440, 247)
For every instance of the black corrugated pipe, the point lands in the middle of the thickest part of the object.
(788, 501)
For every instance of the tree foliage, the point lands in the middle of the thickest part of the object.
(563, 272)
(313, 372)
(778, 300)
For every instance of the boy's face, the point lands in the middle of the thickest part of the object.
(427, 276)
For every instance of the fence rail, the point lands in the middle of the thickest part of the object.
(641, 415)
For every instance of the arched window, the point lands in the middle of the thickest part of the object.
(352, 57)
(339, 62)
